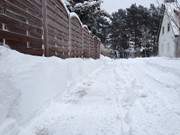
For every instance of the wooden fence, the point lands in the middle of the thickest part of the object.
(177, 40)
(45, 27)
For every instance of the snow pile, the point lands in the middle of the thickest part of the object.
(29, 82)
(50, 96)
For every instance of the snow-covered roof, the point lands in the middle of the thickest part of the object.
(173, 11)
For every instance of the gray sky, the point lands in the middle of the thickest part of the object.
(114, 5)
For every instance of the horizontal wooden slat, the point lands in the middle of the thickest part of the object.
(60, 51)
(53, 21)
(52, 11)
(19, 37)
(37, 2)
(32, 51)
(1, 41)
(21, 46)
(76, 33)
(9, 21)
(58, 6)
(62, 34)
(16, 29)
(0, 25)
(19, 13)
(34, 44)
(29, 6)
(16, 44)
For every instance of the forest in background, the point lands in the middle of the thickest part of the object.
(133, 30)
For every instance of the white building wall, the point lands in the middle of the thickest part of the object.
(167, 45)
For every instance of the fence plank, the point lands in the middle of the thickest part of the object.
(18, 37)
(17, 26)
(32, 51)
(28, 5)
(57, 22)
(76, 37)
(86, 42)
(21, 14)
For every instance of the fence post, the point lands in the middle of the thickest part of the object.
(44, 13)
(27, 33)
(69, 48)
(3, 26)
(82, 49)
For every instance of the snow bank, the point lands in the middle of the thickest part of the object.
(29, 82)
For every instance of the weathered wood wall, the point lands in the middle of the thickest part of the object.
(21, 25)
(45, 27)
(76, 43)
(177, 47)
(57, 28)
(91, 45)
(97, 44)
(86, 42)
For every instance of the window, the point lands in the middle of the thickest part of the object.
(163, 30)
(168, 27)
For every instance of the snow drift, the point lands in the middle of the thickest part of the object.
(27, 83)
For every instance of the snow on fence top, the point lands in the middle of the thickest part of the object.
(86, 27)
(43, 28)
(74, 15)
(63, 2)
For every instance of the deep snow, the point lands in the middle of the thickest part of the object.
(51, 96)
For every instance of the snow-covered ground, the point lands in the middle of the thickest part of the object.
(51, 96)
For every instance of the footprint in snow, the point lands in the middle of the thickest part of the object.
(87, 84)
(143, 95)
(177, 113)
(81, 93)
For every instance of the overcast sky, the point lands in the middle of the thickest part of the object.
(114, 5)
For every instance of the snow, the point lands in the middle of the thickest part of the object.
(87, 4)
(51, 96)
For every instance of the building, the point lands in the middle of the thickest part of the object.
(169, 38)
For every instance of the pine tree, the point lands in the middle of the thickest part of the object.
(156, 16)
(92, 15)
(119, 31)
(136, 27)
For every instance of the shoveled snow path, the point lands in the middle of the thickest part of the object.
(125, 97)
